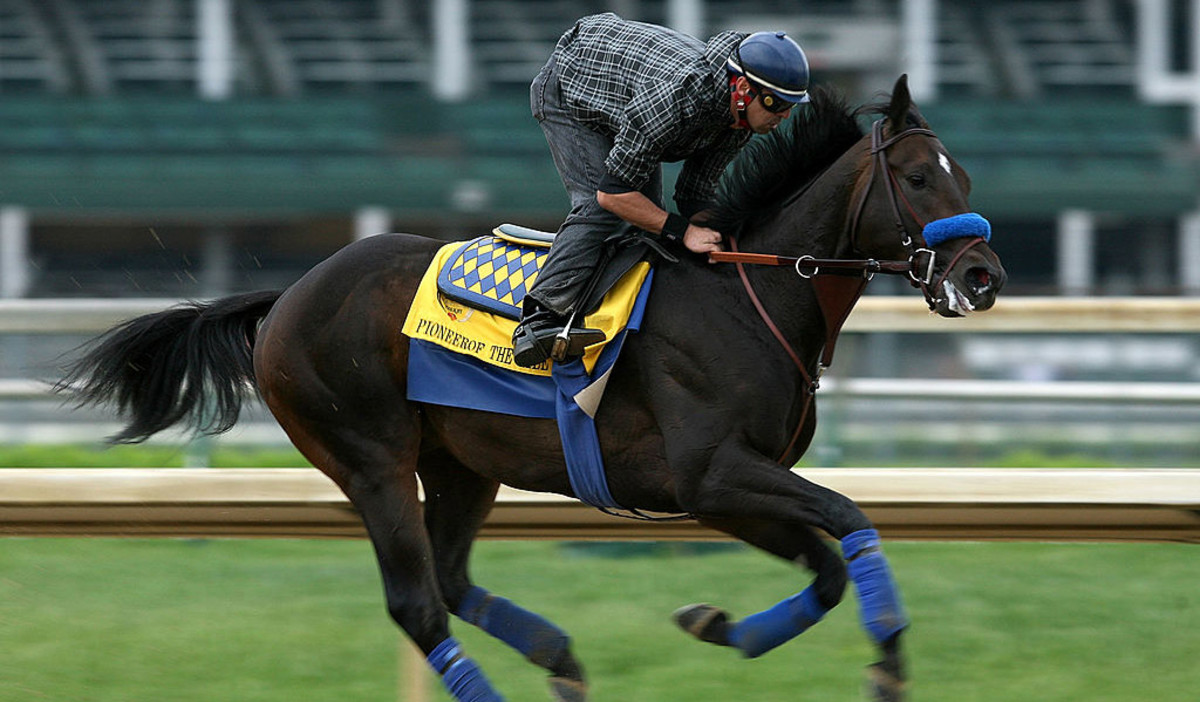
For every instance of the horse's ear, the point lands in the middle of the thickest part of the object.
(897, 111)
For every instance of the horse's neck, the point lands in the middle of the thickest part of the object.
(813, 225)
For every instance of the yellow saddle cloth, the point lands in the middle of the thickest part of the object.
(469, 299)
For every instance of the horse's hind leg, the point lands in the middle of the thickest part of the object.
(457, 501)
(376, 468)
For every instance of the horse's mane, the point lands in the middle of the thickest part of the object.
(777, 165)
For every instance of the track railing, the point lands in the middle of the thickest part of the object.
(904, 503)
(901, 313)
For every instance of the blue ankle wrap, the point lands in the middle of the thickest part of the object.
(525, 631)
(461, 676)
(969, 224)
(759, 633)
(878, 598)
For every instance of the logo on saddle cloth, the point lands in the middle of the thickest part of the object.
(469, 300)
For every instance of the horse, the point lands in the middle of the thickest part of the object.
(706, 410)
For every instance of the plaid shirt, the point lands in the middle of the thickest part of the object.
(661, 96)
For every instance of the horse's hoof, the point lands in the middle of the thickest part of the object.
(705, 622)
(567, 690)
(883, 685)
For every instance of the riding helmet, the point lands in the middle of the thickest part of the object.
(772, 60)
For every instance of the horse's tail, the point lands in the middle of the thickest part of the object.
(190, 364)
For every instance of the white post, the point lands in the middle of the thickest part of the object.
(14, 252)
(1076, 249)
(686, 16)
(1156, 81)
(214, 48)
(369, 221)
(216, 267)
(1195, 37)
(451, 73)
(1189, 253)
(1153, 35)
(414, 673)
(919, 21)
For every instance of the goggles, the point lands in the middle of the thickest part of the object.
(773, 103)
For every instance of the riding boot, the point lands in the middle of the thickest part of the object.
(543, 335)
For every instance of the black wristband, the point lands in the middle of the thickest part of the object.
(675, 227)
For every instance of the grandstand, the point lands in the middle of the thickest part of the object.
(326, 110)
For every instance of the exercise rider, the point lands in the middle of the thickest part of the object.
(616, 100)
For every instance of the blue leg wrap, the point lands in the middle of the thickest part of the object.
(759, 633)
(536, 638)
(878, 598)
(461, 676)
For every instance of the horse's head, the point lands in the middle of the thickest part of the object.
(911, 201)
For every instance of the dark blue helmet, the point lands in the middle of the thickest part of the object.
(772, 60)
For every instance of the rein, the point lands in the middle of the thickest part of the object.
(839, 283)
(836, 296)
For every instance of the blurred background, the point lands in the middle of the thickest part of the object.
(159, 150)
(171, 149)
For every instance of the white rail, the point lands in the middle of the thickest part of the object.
(905, 503)
(900, 313)
(901, 388)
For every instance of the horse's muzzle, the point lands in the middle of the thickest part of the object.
(970, 284)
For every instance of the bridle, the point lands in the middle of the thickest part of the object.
(839, 283)
(919, 274)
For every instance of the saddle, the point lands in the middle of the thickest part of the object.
(470, 298)
(494, 273)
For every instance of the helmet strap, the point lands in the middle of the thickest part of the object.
(741, 100)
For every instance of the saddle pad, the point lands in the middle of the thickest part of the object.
(492, 274)
(484, 333)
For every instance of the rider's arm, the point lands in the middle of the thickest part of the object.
(640, 211)
(651, 120)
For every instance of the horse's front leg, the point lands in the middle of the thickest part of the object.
(741, 491)
(762, 632)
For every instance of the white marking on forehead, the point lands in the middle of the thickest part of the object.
(945, 161)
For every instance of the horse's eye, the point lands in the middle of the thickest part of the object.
(917, 180)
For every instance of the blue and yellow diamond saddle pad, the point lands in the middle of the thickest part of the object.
(469, 300)
(492, 273)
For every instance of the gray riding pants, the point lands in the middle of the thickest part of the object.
(579, 154)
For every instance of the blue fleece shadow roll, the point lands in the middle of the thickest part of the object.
(969, 224)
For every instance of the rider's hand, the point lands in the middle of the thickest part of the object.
(702, 240)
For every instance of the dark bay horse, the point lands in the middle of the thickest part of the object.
(705, 412)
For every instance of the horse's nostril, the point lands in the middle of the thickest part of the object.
(980, 280)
